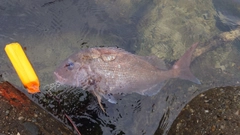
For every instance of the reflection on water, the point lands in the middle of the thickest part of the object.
(52, 30)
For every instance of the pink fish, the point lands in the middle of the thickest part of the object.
(108, 71)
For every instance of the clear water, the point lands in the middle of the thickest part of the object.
(53, 30)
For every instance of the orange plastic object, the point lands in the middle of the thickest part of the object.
(23, 67)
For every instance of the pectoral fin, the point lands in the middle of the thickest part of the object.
(110, 98)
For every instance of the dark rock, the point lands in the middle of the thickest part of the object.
(214, 112)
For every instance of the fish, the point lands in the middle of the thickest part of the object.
(110, 71)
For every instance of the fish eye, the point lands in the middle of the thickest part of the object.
(70, 65)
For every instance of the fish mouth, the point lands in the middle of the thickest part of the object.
(59, 78)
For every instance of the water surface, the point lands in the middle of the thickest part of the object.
(53, 30)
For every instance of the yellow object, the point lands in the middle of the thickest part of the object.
(23, 67)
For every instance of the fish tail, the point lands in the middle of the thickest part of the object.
(181, 68)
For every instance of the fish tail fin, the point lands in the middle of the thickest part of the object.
(181, 68)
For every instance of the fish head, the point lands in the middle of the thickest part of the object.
(72, 71)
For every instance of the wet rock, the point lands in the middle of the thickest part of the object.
(21, 116)
(213, 112)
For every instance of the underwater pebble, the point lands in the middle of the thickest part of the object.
(35, 115)
(20, 118)
(206, 16)
(237, 112)
(7, 112)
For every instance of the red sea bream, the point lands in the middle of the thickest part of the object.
(108, 71)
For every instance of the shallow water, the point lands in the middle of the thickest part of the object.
(53, 30)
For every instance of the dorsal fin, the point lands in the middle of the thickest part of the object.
(155, 61)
